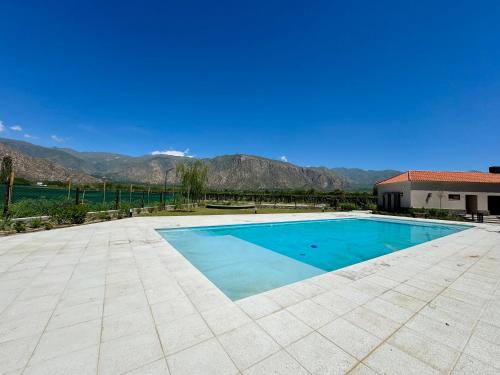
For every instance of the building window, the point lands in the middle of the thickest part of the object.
(454, 197)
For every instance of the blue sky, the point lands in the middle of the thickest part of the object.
(370, 84)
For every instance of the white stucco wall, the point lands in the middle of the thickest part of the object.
(401, 187)
(416, 194)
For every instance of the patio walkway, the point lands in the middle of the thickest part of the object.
(115, 298)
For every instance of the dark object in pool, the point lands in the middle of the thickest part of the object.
(314, 246)
(303, 254)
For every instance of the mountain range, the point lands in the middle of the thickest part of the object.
(236, 172)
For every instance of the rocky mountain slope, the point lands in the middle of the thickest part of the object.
(238, 172)
(37, 169)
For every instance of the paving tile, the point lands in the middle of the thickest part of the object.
(15, 354)
(248, 345)
(280, 363)
(182, 333)
(136, 323)
(283, 327)
(164, 293)
(387, 359)
(372, 322)
(320, 356)
(484, 350)
(450, 317)
(402, 300)
(258, 306)
(284, 296)
(11, 329)
(225, 318)
(312, 314)
(352, 339)
(362, 369)
(335, 303)
(128, 353)
(437, 355)
(27, 308)
(203, 359)
(412, 291)
(208, 299)
(487, 332)
(76, 314)
(442, 332)
(66, 340)
(79, 362)
(384, 308)
(469, 365)
(172, 309)
(158, 367)
(306, 289)
(125, 304)
(353, 294)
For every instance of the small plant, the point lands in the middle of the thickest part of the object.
(36, 223)
(48, 225)
(20, 226)
(5, 223)
(347, 206)
(104, 216)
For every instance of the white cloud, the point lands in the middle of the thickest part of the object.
(283, 158)
(173, 153)
(29, 136)
(16, 128)
(2, 127)
(57, 138)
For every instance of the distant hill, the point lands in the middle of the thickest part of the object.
(38, 169)
(237, 172)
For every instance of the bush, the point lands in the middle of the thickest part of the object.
(347, 206)
(36, 223)
(32, 207)
(104, 216)
(68, 213)
(5, 223)
(20, 226)
(48, 225)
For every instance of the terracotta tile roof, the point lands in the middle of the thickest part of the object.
(474, 177)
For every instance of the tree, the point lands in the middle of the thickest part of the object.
(7, 178)
(193, 178)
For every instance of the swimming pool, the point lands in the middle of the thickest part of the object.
(247, 259)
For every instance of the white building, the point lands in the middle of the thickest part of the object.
(469, 192)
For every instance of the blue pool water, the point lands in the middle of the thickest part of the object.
(243, 260)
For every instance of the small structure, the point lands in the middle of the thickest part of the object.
(462, 192)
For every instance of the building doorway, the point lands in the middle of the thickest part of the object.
(471, 204)
(392, 201)
(494, 204)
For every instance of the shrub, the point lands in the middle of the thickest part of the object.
(347, 206)
(5, 223)
(104, 216)
(36, 223)
(20, 226)
(69, 213)
(48, 225)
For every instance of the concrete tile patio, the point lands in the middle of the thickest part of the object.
(115, 298)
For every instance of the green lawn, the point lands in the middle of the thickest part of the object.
(212, 211)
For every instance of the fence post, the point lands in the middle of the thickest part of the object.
(77, 196)
(118, 199)
(69, 188)
(142, 199)
(8, 194)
